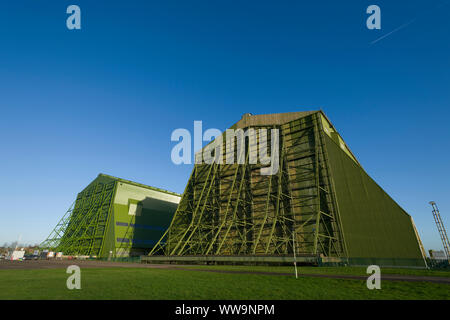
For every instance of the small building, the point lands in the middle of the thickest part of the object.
(113, 217)
(437, 255)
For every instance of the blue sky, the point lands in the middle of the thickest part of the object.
(107, 97)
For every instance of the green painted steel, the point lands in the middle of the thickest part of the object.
(112, 218)
(83, 231)
(377, 229)
(231, 259)
(321, 197)
(231, 209)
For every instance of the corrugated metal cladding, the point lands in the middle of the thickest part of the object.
(376, 228)
(321, 199)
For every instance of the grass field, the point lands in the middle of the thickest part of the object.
(358, 271)
(144, 283)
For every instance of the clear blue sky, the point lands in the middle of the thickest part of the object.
(106, 98)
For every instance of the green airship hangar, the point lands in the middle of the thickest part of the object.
(320, 204)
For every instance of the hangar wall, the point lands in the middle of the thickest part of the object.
(376, 229)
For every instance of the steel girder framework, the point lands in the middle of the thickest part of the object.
(54, 239)
(83, 228)
(231, 209)
(441, 229)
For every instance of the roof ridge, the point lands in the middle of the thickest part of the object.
(139, 184)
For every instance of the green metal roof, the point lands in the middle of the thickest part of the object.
(139, 184)
(249, 120)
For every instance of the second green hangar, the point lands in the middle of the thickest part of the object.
(320, 202)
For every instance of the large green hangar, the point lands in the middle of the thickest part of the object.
(113, 217)
(319, 202)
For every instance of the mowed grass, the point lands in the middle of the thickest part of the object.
(144, 283)
(357, 271)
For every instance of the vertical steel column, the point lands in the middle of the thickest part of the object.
(108, 219)
(337, 231)
(317, 180)
(277, 207)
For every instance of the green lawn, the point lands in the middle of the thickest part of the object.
(359, 271)
(139, 283)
